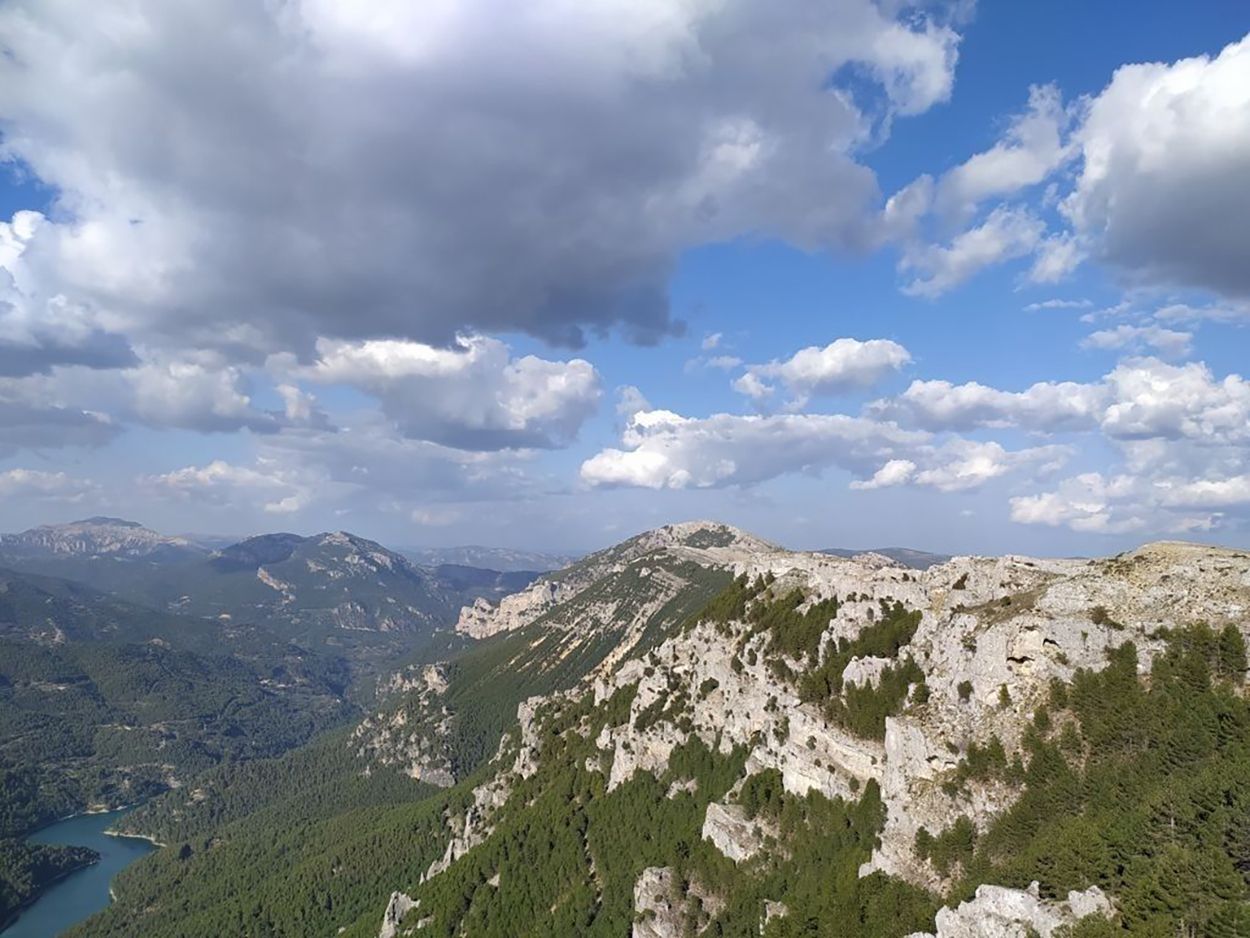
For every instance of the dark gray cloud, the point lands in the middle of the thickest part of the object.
(100, 350)
(33, 426)
(256, 175)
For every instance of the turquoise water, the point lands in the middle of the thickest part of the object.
(87, 891)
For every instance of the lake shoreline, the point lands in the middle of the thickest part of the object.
(77, 894)
(16, 913)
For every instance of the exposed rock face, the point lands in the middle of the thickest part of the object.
(732, 832)
(410, 735)
(992, 634)
(702, 542)
(484, 618)
(662, 909)
(399, 906)
(97, 537)
(998, 912)
(655, 913)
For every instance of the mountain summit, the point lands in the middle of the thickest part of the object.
(97, 537)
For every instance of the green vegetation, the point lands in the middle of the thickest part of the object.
(566, 853)
(27, 869)
(796, 633)
(490, 678)
(283, 848)
(1144, 792)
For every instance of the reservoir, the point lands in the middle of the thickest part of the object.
(85, 892)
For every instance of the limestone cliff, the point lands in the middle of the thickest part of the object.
(987, 637)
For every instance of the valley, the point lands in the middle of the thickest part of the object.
(699, 732)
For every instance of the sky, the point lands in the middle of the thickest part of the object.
(970, 278)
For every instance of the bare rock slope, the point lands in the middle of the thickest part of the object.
(985, 638)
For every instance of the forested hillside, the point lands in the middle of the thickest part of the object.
(731, 739)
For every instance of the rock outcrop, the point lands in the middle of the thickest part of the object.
(656, 915)
(990, 636)
(998, 912)
(399, 906)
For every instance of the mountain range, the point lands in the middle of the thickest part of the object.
(693, 732)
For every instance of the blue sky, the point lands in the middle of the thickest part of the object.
(846, 273)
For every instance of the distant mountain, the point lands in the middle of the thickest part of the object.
(489, 558)
(97, 537)
(916, 559)
(104, 703)
(335, 580)
(307, 586)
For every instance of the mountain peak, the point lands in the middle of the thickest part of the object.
(102, 521)
(98, 536)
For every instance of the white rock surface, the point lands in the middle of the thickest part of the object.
(655, 913)
(399, 906)
(987, 622)
(999, 912)
(732, 832)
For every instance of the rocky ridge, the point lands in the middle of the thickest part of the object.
(992, 633)
(704, 543)
(99, 537)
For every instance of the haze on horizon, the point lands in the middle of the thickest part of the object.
(964, 278)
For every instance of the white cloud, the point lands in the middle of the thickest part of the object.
(667, 450)
(960, 465)
(1057, 256)
(662, 449)
(1170, 504)
(473, 396)
(49, 486)
(1235, 313)
(1058, 304)
(276, 489)
(751, 385)
(1140, 399)
(1005, 234)
(894, 472)
(191, 394)
(1168, 342)
(1162, 187)
(630, 400)
(415, 170)
(1045, 406)
(711, 341)
(839, 366)
(1030, 150)
(1152, 399)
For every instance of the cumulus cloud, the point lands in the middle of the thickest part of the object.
(278, 490)
(45, 486)
(666, 450)
(1030, 150)
(1140, 399)
(630, 400)
(1122, 503)
(30, 425)
(1045, 406)
(1151, 399)
(416, 170)
(1008, 232)
(839, 366)
(1165, 156)
(197, 396)
(1058, 304)
(1170, 342)
(39, 331)
(472, 396)
(893, 472)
